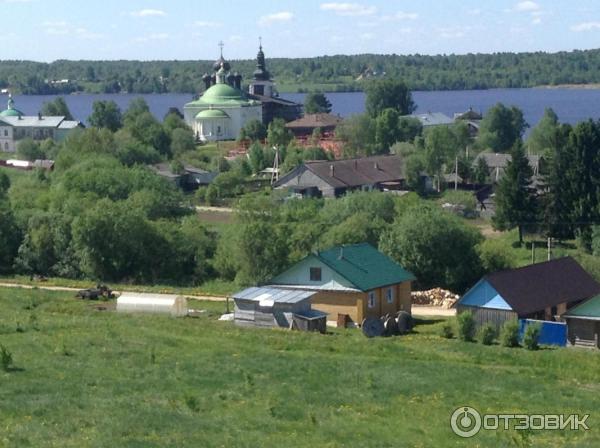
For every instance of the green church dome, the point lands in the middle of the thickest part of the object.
(11, 111)
(212, 113)
(222, 94)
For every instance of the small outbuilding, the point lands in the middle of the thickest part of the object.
(133, 302)
(274, 307)
(542, 291)
(583, 324)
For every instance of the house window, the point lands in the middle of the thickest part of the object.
(6, 132)
(315, 274)
(6, 146)
(389, 295)
(372, 300)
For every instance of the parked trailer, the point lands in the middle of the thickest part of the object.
(171, 304)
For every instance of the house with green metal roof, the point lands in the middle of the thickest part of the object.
(223, 109)
(583, 323)
(16, 126)
(355, 282)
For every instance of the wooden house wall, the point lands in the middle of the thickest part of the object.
(355, 304)
(306, 178)
(583, 332)
(334, 303)
(488, 315)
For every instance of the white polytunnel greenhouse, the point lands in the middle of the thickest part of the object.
(133, 302)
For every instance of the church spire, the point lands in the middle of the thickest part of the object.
(261, 73)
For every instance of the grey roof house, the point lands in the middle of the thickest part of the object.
(335, 178)
(497, 163)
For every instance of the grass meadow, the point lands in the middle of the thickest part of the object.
(88, 378)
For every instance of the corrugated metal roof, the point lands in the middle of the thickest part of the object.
(589, 309)
(275, 295)
(364, 266)
(433, 119)
(34, 121)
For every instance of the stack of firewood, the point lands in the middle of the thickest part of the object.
(434, 297)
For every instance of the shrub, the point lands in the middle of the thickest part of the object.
(509, 336)
(487, 334)
(466, 326)
(532, 336)
(6, 358)
(447, 330)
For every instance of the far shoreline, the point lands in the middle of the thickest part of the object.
(590, 86)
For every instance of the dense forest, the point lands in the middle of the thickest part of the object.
(331, 73)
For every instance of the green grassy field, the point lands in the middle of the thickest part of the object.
(89, 378)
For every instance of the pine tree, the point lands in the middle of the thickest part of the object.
(557, 200)
(516, 203)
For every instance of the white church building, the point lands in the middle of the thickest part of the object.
(224, 109)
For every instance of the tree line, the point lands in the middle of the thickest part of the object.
(333, 73)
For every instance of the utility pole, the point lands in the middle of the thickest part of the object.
(456, 173)
(275, 173)
(532, 251)
(549, 248)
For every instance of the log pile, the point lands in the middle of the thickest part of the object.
(434, 297)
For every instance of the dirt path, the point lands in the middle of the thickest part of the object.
(205, 208)
(67, 289)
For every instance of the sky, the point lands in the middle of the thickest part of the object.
(46, 30)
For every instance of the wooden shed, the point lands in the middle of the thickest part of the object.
(275, 307)
(583, 324)
(542, 291)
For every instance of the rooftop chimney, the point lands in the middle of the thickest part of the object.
(39, 115)
(341, 256)
(332, 170)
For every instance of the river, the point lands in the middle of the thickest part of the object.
(571, 105)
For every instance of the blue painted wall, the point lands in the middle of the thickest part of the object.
(553, 333)
(484, 295)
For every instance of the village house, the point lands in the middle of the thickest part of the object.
(305, 126)
(497, 163)
(351, 283)
(542, 291)
(335, 178)
(16, 126)
(583, 323)
(431, 119)
(188, 179)
(472, 119)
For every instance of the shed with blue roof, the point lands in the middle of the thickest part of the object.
(355, 280)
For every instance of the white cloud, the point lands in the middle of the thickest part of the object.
(63, 28)
(536, 21)
(586, 26)
(235, 38)
(283, 16)
(527, 5)
(149, 13)
(401, 15)
(349, 9)
(367, 36)
(152, 37)
(474, 12)
(453, 32)
(207, 24)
